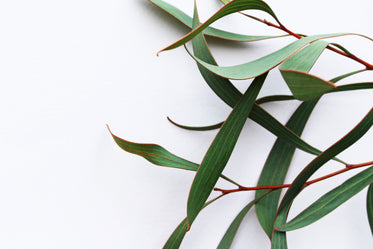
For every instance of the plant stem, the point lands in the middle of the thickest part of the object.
(274, 187)
(367, 65)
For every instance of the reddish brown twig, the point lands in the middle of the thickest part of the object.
(274, 187)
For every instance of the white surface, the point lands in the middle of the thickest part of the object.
(69, 67)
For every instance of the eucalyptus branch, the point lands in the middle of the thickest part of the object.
(274, 187)
(294, 61)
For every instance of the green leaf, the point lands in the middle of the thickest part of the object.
(279, 238)
(229, 235)
(159, 155)
(257, 67)
(330, 201)
(232, 7)
(277, 165)
(187, 21)
(370, 206)
(305, 86)
(220, 150)
(174, 241)
(155, 154)
(197, 128)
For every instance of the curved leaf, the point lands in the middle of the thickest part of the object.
(231, 7)
(197, 128)
(229, 235)
(330, 201)
(155, 154)
(159, 155)
(177, 236)
(277, 165)
(218, 33)
(220, 150)
(370, 206)
(259, 66)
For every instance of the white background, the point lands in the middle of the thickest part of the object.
(69, 67)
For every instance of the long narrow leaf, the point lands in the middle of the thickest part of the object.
(330, 201)
(159, 155)
(277, 165)
(259, 66)
(370, 206)
(220, 150)
(229, 235)
(279, 238)
(218, 33)
(197, 128)
(155, 154)
(177, 236)
(232, 7)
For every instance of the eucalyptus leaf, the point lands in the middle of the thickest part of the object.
(210, 31)
(155, 154)
(277, 165)
(177, 236)
(197, 128)
(220, 150)
(159, 155)
(229, 235)
(231, 7)
(259, 66)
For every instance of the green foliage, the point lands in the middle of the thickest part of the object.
(294, 61)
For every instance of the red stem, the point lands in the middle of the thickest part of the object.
(273, 187)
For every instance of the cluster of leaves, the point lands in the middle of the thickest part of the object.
(295, 60)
